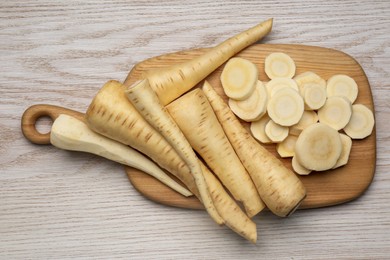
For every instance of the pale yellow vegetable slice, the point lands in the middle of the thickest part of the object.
(307, 79)
(342, 85)
(145, 100)
(239, 78)
(285, 107)
(314, 97)
(170, 83)
(276, 133)
(279, 65)
(346, 142)
(308, 117)
(362, 122)
(298, 168)
(72, 134)
(277, 83)
(252, 108)
(287, 148)
(257, 129)
(196, 118)
(318, 147)
(280, 189)
(336, 112)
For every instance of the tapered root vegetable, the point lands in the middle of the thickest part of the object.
(239, 78)
(342, 85)
(232, 214)
(309, 117)
(277, 83)
(346, 143)
(336, 112)
(361, 123)
(148, 105)
(252, 108)
(276, 133)
(72, 134)
(257, 129)
(287, 147)
(111, 114)
(196, 119)
(279, 65)
(285, 107)
(170, 83)
(280, 189)
(318, 147)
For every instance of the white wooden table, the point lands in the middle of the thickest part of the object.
(56, 204)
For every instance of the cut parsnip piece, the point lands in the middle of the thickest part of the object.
(307, 79)
(287, 148)
(69, 133)
(318, 147)
(277, 83)
(276, 133)
(252, 108)
(257, 129)
(336, 112)
(346, 142)
(298, 168)
(239, 78)
(362, 122)
(285, 107)
(342, 85)
(309, 117)
(279, 65)
(314, 96)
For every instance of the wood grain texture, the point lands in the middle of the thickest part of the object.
(56, 204)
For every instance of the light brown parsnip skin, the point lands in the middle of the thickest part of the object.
(279, 188)
(170, 83)
(195, 117)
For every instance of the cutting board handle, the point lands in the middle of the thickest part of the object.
(34, 113)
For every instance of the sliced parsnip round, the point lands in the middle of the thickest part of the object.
(309, 78)
(257, 129)
(278, 65)
(277, 83)
(336, 112)
(314, 96)
(239, 78)
(362, 122)
(309, 117)
(318, 147)
(287, 147)
(298, 168)
(285, 107)
(276, 133)
(252, 108)
(346, 142)
(342, 85)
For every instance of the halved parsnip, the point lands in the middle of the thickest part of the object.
(346, 142)
(314, 97)
(362, 122)
(318, 147)
(308, 117)
(257, 129)
(298, 168)
(239, 78)
(277, 83)
(276, 133)
(252, 108)
(285, 107)
(279, 65)
(287, 147)
(336, 112)
(342, 85)
(309, 78)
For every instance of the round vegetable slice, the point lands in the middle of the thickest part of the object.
(298, 168)
(362, 122)
(287, 147)
(314, 97)
(336, 112)
(257, 129)
(346, 142)
(276, 133)
(277, 83)
(279, 65)
(308, 117)
(342, 85)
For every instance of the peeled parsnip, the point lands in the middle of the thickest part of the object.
(196, 119)
(279, 188)
(145, 100)
(170, 83)
(72, 134)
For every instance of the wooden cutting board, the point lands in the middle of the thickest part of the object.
(323, 188)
